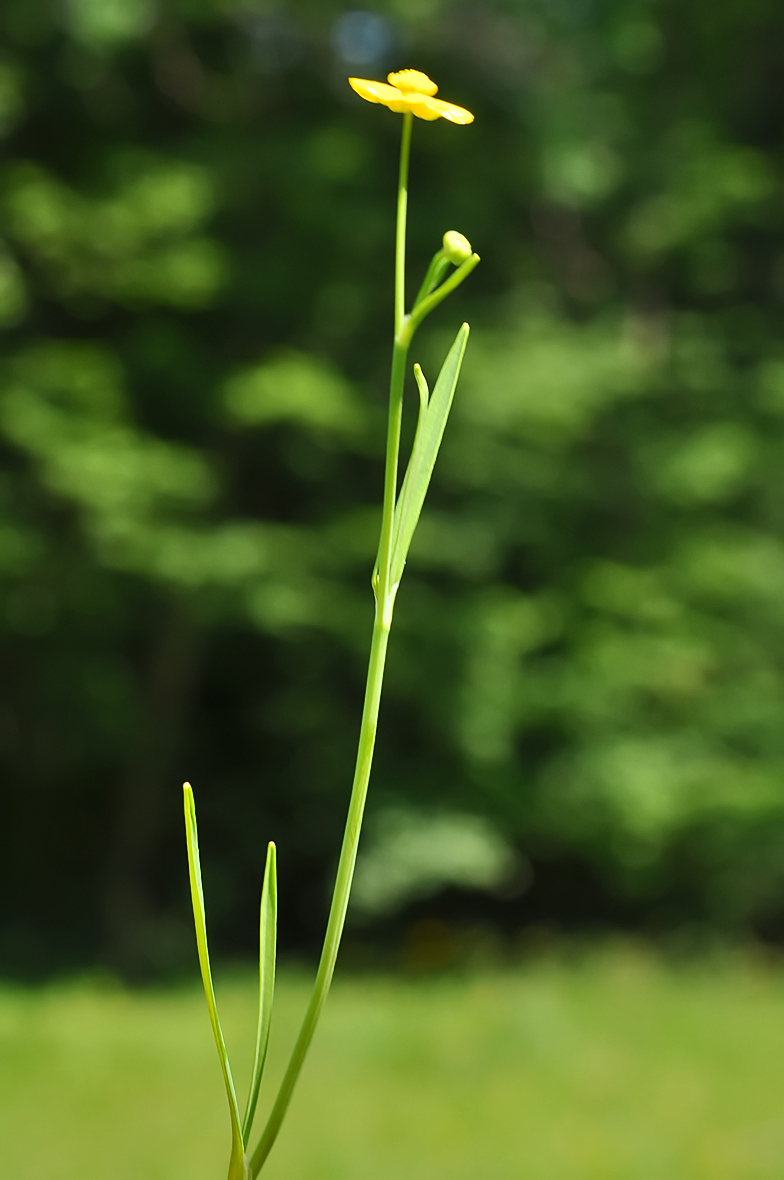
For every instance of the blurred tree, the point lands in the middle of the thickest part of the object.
(195, 215)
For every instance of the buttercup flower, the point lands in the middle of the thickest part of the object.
(410, 90)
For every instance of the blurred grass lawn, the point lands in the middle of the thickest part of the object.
(613, 1065)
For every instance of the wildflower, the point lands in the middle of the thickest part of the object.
(410, 90)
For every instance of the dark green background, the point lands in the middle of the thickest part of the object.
(195, 290)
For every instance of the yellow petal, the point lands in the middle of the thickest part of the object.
(413, 82)
(436, 108)
(419, 105)
(378, 92)
(424, 106)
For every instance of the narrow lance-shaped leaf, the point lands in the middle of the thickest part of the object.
(430, 431)
(268, 928)
(238, 1164)
(424, 393)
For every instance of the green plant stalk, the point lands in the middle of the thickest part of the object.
(385, 597)
(439, 265)
(432, 301)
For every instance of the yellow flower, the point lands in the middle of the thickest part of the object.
(410, 90)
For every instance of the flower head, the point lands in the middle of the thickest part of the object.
(410, 90)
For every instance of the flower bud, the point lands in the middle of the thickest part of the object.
(457, 247)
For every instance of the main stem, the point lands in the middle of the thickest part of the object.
(385, 599)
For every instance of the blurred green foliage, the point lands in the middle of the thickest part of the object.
(608, 1066)
(195, 251)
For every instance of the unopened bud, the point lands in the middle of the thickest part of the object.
(457, 247)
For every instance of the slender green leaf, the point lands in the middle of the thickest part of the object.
(268, 932)
(430, 431)
(424, 392)
(238, 1164)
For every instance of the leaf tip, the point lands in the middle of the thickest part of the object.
(422, 386)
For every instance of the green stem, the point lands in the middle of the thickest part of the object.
(400, 228)
(385, 594)
(439, 265)
(385, 599)
(337, 913)
(432, 301)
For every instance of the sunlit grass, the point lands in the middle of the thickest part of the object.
(613, 1065)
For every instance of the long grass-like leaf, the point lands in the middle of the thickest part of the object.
(430, 431)
(268, 931)
(238, 1164)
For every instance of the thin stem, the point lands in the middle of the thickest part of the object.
(400, 228)
(396, 383)
(455, 279)
(385, 598)
(337, 913)
(439, 265)
(397, 378)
